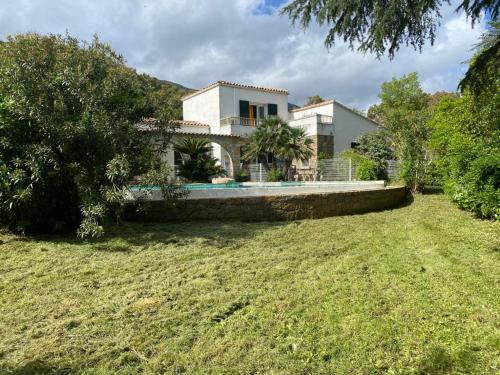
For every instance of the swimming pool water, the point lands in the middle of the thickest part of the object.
(230, 185)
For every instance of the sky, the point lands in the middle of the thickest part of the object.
(197, 42)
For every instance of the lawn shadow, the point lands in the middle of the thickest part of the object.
(35, 367)
(432, 190)
(439, 361)
(211, 233)
(120, 238)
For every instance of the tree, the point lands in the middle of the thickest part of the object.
(68, 140)
(484, 70)
(315, 99)
(404, 113)
(382, 26)
(296, 146)
(200, 166)
(266, 139)
(274, 136)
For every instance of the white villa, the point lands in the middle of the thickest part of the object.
(231, 110)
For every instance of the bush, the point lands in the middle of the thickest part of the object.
(478, 189)
(275, 175)
(68, 141)
(366, 170)
(242, 176)
(376, 146)
(200, 166)
(464, 140)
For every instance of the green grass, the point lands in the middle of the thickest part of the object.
(413, 290)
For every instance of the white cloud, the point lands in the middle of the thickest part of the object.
(196, 42)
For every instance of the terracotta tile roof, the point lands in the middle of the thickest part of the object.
(235, 85)
(147, 122)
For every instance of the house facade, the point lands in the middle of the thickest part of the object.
(235, 110)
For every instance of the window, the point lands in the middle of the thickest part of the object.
(272, 109)
(177, 158)
(261, 112)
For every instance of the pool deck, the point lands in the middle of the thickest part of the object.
(255, 189)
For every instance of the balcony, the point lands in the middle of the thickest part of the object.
(314, 124)
(240, 126)
(242, 121)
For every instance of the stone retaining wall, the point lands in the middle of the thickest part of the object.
(271, 208)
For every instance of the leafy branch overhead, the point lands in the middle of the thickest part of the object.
(382, 26)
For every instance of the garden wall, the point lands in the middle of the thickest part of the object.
(271, 208)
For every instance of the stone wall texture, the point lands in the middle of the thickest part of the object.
(271, 208)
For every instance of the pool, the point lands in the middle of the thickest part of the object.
(229, 185)
(257, 189)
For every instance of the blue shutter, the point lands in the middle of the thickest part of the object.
(244, 109)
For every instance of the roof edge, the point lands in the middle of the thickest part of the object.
(234, 85)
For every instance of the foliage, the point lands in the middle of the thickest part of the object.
(200, 166)
(381, 26)
(274, 136)
(296, 146)
(465, 139)
(315, 99)
(242, 176)
(309, 297)
(366, 169)
(275, 175)
(404, 111)
(484, 70)
(67, 137)
(376, 146)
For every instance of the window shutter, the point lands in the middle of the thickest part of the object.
(272, 109)
(244, 109)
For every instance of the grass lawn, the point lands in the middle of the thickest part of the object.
(413, 290)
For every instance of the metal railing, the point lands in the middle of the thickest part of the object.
(243, 121)
(336, 169)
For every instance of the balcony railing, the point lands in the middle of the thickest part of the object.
(324, 119)
(243, 121)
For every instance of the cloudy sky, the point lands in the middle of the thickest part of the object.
(196, 42)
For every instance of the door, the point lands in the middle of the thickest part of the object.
(253, 114)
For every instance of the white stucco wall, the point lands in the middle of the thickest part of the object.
(311, 126)
(230, 101)
(325, 109)
(203, 108)
(211, 106)
(348, 127)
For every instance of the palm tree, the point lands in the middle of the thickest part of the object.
(193, 147)
(266, 139)
(201, 165)
(296, 147)
(275, 136)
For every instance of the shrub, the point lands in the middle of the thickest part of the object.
(376, 146)
(275, 175)
(366, 170)
(68, 141)
(242, 176)
(464, 141)
(201, 166)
